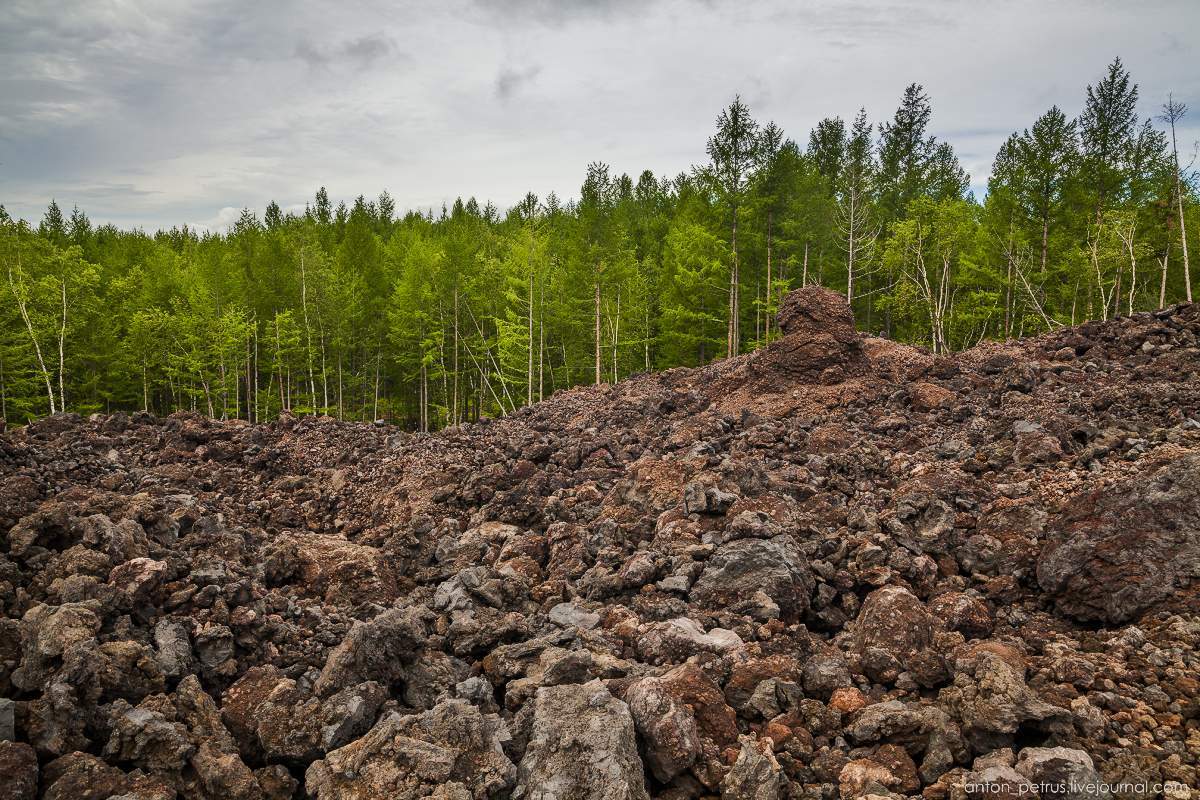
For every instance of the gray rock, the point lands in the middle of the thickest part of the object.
(373, 651)
(739, 569)
(667, 728)
(825, 671)
(173, 648)
(452, 748)
(678, 639)
(992, 701)
(756, 775)
(147, 739)
(570, 615)
(919, 728)
(1070, 771)
(581, 744)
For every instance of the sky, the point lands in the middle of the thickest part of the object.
(154, 113)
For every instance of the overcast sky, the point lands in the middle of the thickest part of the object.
(154, 113)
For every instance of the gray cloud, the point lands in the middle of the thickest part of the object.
(510, 80)
(161, 112)
(361, 52)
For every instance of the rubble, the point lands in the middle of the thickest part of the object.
(835, 567)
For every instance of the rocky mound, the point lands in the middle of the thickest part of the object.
(835, 567)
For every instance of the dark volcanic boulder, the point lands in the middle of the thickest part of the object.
(1117, 551)
(819, 340)
(742, 570)
(894, 632)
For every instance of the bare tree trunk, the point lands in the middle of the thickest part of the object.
(541, 340)
(378, 357)
(597, 330)
(37, 348)
(454, 416)
(616, 335)
(62, 359)
(850, 243)
(646, 339)
(529, 368)
(804, 269)
(1045, 243)
(312, 384)
(767, 314)
(279, 355)
(731, 344)
(1162, 287)
(1175, 112)
(324, 371)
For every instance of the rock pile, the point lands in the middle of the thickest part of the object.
(836, 567)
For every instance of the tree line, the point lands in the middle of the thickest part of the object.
(431, 320)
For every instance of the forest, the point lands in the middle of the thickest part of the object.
(429, 320)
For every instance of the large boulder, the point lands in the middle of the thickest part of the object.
(373, 651)
(992, 701)
(893, 633)
(452, 749)
(666, 726)
(756, 775)
(1117, 551)
(819, 341)
(741, 569)
(582, 744)
(1061, 772)
(48, 633)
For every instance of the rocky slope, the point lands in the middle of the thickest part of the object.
(835, 567)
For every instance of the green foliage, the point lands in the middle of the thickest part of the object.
(430, 320)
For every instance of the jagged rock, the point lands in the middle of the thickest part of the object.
(80, 776)
(47, 633)
(993, 702)
(666, 726)
(1117, 551)
(894, 632)
(276, 782)
(174, 648)
(925, 731)
(145, 738)
(570, 615)
(677, 639)
(273, 716)
(451, 745)
(756, 775)
(1064, 771)
(19, 766)
(739, 569)
(8, 724)
(960, 612)
(819, 342)
(824, 673)
(373, 651)
(582, 744)
(136, 578)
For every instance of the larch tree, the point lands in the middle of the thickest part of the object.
(733, 153)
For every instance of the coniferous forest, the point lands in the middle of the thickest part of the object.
(432, 319)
